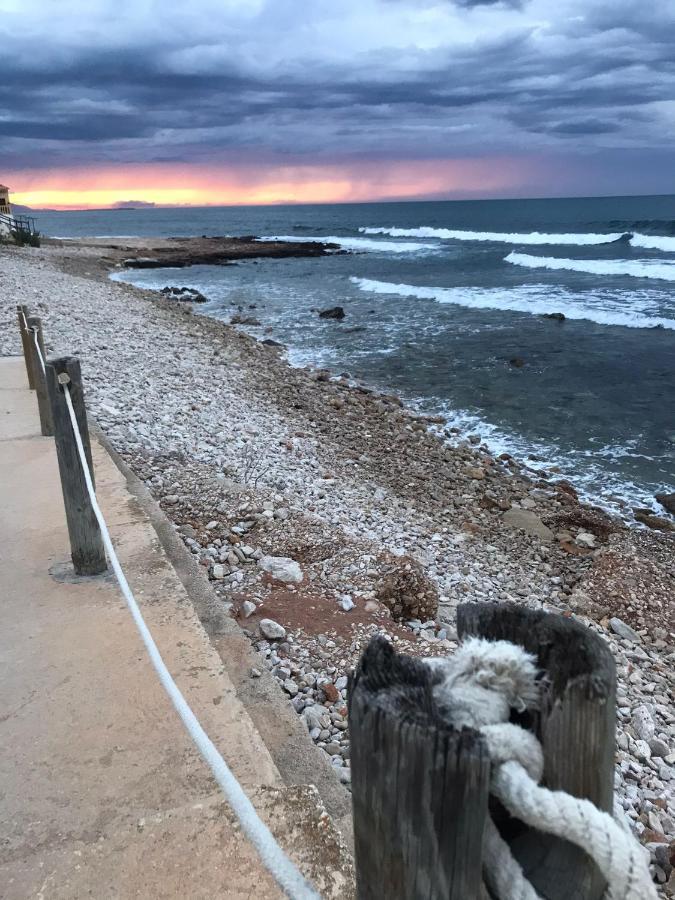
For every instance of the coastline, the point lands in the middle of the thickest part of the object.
(245, 452)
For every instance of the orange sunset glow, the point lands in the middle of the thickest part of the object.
(174, 185)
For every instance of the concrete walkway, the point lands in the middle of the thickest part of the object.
(102, 793)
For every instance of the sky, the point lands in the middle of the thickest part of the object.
(104, 102)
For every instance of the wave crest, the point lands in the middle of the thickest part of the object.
(533, 237)
(355, 243)
(637, 268)
(609, 308)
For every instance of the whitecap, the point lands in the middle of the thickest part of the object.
(654, 242)
(604, 308)
(664, 270)
(532, 237)
(354, 243)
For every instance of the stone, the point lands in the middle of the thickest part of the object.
(526, 520)
(659, 748)
(476, 473)
(281, 568)
(290, 687)
(624, 631)
(272, 630)
(331, 693)
(667, 501)
(585, 539)
(643, 723)
(642, 751)
(248, 608)
(347, 603)
(335, 312)
(218, 571)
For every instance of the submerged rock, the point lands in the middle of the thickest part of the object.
(336, 312)
(184, 294)
(558, 316)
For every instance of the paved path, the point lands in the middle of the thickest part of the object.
(102, 793)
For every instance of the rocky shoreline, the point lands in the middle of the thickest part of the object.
(325, 513)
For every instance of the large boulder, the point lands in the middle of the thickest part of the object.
(526, 520)
(282, 569)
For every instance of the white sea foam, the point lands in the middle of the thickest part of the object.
(654, 242)
(532, 237)
(664, 270)
(603, 307)
(354, 243)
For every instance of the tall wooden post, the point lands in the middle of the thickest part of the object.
(419, 787)
(39, 375)
(86, 544)
(22, 315)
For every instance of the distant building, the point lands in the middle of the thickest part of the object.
(5, 212)
(5, 209)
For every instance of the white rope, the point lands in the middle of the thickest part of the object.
(479, 686)
(285, 873)
(39, 352)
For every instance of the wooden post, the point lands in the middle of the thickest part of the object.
(40, 378)
(419, 787)
(86, 544)
(22, 314)
(576, 727)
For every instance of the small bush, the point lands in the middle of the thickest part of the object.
(23, 238)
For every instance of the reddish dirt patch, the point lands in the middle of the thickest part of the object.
(314, 614)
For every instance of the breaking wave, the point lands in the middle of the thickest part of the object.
(607, 308)
(654, 242)
(637, 268)
(533, 237)
(355, 243)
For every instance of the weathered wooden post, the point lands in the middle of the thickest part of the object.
(39, 375)
(420, 787)
(22, 315)
(576, 726)
(86, 544)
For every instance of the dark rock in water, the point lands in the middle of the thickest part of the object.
(647, 517)
(185, 294)
(559, 317)
(517, 361)
(658, 327)
(667, 501)
(268, 342)
(243, 320)
(355, 329)
(336, 312)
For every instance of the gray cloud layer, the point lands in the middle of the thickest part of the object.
(283, 80)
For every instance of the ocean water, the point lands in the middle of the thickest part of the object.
(442, 297)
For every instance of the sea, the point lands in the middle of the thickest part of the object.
(448, 303)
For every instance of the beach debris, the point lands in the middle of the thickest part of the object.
(406, 590)
(335, 312)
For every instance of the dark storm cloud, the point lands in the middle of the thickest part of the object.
(387, 78)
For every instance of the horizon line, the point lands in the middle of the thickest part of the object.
(147, 205)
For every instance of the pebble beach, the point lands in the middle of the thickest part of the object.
(325, 513)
